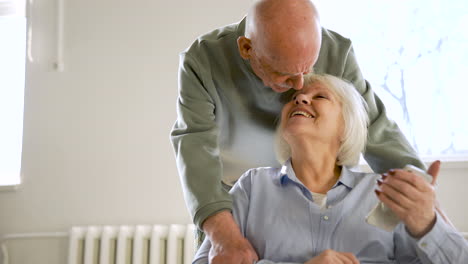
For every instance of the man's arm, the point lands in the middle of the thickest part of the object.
(387, 148)
(228, 243)
(195, 141)
(225, 241)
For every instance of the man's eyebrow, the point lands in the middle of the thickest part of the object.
(284, 73)
(288, 73)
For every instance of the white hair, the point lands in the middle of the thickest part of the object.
(354, 112)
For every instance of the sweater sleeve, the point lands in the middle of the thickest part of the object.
(386, 147)
(195, 141)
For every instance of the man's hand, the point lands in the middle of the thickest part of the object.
(411, 198)
(333, 257)
(227, 243)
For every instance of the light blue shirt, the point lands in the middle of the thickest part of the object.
(276, 213)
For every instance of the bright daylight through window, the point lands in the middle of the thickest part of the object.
(414, 55)
(12, 80)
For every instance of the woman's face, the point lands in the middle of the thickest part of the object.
(313, 113)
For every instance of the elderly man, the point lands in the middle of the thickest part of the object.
(232, 85)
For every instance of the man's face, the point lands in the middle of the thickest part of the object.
(281, 75)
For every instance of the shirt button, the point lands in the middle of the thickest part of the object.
(325, 217)
(424, 244)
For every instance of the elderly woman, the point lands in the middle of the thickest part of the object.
(313, 209)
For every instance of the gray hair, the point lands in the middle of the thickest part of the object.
(356, 120)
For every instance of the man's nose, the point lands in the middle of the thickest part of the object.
(302, 99)
(298, 82)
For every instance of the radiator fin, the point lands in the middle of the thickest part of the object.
(141, 244)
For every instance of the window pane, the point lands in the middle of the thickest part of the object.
(12, 71)
(414, 55)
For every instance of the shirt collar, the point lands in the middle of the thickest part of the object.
(347, 177)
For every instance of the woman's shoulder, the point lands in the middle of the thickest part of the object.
(362, 177)
(263, 171)
(260, 175)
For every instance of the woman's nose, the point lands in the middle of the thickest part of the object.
(302, 99)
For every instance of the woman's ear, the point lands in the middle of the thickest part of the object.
(245, 47)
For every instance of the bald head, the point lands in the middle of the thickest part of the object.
(275, 25)
(282, 38)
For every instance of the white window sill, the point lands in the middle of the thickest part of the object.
(447, 162)
(9, 188)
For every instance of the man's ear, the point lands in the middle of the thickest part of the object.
(245, 47)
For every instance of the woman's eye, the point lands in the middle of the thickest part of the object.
(321, 96)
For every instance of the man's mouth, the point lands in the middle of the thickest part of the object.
(281, 89)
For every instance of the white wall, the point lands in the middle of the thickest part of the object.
(96, 137)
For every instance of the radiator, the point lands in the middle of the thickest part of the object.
(158, 244)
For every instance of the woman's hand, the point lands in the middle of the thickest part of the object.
(411, 198)
(333, 257)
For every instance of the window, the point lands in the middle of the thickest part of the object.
(12, 81)
(414, 55)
